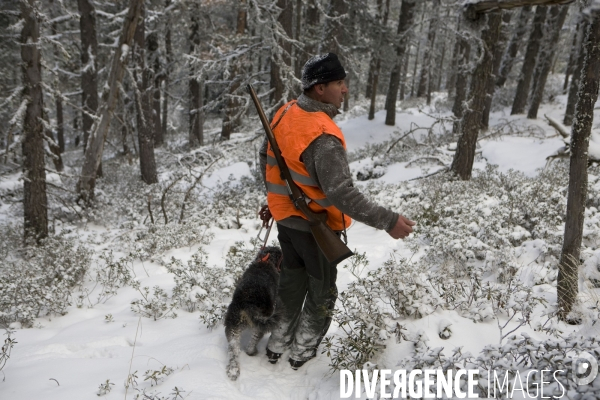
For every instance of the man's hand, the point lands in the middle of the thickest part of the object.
(265, 216)
(402, 228)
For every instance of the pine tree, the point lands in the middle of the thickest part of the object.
(35, 202)
(143, 101)
(513, 46)
(407, 14)
(196, 84)
(567, 284)
(558, 14)
(89, 66)
(93, 154)
(533, 47)
(470, 123)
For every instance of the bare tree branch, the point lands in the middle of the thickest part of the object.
(473, 9)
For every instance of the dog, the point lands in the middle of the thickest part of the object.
(254, 305)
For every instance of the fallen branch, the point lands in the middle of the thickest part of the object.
(445, 169)
(475, 8)
(560, 128)
(429, 158)
(413, 130)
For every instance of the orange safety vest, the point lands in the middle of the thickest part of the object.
(294, 130)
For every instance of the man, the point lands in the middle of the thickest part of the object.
(314, 150)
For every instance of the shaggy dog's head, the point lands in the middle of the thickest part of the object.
(271, 255)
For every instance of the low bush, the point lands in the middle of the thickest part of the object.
(39, 280)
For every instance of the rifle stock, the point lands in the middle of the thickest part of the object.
(331, 245)
(328, 241)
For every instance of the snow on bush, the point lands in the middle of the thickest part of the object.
(473, 248)
(38, 280)
(209, 289)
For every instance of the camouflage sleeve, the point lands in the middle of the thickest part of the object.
(326, 162)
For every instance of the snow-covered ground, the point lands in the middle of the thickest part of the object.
(68, 357)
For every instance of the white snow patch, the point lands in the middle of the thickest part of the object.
(523, 154)
(232, 172)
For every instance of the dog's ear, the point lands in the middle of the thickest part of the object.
(272, 254)
(262, 253)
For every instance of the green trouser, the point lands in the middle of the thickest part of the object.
(307, 292)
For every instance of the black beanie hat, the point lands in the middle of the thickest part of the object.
(322, 69)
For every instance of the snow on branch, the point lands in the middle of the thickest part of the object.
(17, 119)
(63, 18)
(16, 92)
(52, 40)
(560, 128)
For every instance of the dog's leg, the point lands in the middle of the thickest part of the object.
(232, 332)
(256, 336)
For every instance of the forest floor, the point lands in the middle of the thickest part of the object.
(70, 356)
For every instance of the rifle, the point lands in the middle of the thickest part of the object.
(330, 244)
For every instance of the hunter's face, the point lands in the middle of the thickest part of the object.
(334, 93)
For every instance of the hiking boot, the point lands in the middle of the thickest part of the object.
(272, 356)
(295, 364)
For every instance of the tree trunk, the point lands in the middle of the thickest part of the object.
(89, 66)
(196, 137)
(312, 30)
(285, 19)
(574, 87)
(242, 17)
(297, 60)
(93, 154)
(513, 46)
(60, 128)
(440, 68)
(374, 84)
(166, 78)
(143, 102)
(578, 178)
(127, 128)
(369, 87)
(453, 70)
(414, 72)
(558, 14)
(124, 133)
(533, 47)
(231, 118)
(154, 61)
(407, 13)
(423, 88)
(60, 124)
(404, 75)
(462, 77)
(376, 60)
(462, 164)
(572, 57)
(497, 50)
(35, 202)
(53, 145)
